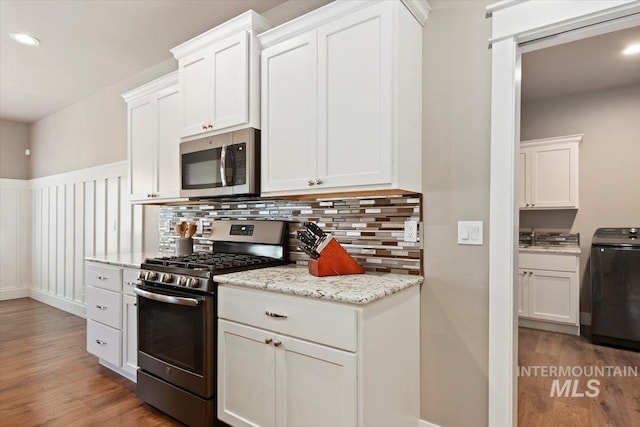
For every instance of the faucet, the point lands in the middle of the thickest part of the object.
(532, 236)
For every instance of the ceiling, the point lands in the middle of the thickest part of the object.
(595, 63)
(88, 45)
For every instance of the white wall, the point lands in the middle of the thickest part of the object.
(609, 170)
(15, 238)
(78, 214)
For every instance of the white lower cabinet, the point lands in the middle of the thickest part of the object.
(549, 292)
(112, 317)
(279, 364)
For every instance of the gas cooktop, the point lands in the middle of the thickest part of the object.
(237, 246)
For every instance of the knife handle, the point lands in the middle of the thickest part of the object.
(312, 227)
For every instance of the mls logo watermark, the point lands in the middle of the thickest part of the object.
(570, 388)
(578, 381)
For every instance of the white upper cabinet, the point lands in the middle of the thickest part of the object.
(219, 76)
(153, 140)
(549, 173)
(341, 99)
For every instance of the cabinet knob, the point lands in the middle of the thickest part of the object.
(277, 343)
(268, 340)
(527, 204)
(311, 183)
(210, 126)
(533, 204)
(318, 181)
(204, 127)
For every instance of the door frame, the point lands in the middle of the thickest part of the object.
(515, 23)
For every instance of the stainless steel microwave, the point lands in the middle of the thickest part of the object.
(221, 165)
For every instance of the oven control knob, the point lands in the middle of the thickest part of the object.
(166, 277)
(192, 282)
(151, 275)
(141, 275)
(181, 281)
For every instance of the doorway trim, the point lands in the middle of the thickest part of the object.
(515, 22)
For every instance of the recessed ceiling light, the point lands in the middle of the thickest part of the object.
(634, 48)
(25, 39)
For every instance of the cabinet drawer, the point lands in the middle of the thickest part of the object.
(104, 306)
(310, 320)
(104, 342)
(548, 262)
(103, 276)
(129, 280)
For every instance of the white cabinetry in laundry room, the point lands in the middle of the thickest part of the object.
(112, 332)
(341, 99)
(153, 141)
(549, 290)
(548, 173)
(219, 77)
(292, 361)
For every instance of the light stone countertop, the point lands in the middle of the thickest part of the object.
(571, 250)
(132, 260)
(352, 289)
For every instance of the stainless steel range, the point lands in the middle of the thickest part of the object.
(177, 316)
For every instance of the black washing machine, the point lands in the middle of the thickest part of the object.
(615, 287)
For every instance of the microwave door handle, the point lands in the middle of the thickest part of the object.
(223, 165)
(166, 298)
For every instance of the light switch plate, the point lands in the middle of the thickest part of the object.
(470, 232)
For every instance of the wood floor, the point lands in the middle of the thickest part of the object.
(618, 402)
(47, 378)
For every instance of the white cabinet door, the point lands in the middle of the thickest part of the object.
(289, 114)
(315, 385)
(523, 292)
(553, 296)
(246, 371)
(523, 179)
(554, 177)
(142, 148)
(129, 334)
(354, 94)
(195, 75)
(548, 172)
(230, 84)
(167, 174)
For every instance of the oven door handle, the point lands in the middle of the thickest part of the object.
(166, 298)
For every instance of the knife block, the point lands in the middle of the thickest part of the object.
(334, 261)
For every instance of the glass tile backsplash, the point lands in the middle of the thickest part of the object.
(371, 229)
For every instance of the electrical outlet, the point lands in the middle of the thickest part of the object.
(411, 231)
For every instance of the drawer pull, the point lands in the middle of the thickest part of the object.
(268, 340)
(276, 343)
(101, 342)
(133, 283)
(101, 307)
(101, 277)
(276, 315)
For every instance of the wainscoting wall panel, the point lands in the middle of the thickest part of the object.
(77, 214)
(15, 238)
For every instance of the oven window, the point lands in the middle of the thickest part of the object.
(172, 333)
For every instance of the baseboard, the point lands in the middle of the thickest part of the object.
(549, 326)
(585, 318)
(424, 423)
(13, 293)
(59, 302)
